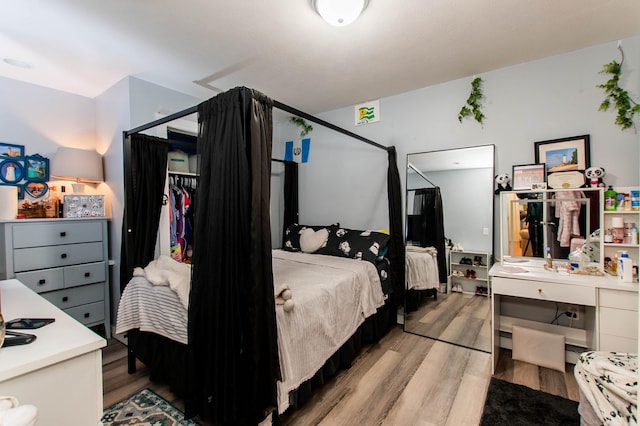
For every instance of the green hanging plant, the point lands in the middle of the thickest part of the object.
(304, 127)
(472, 107)
(616, 95)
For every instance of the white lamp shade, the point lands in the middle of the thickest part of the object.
(80, 165)
(340, 12)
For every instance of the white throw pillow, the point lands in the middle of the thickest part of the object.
(311, 241)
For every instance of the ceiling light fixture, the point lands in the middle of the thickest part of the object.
(339, 13)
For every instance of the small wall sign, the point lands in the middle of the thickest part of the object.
(368, 112)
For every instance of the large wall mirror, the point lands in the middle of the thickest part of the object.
(450, 196)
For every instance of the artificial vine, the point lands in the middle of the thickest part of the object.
(473, 106)
(304, 127)
(625, 106)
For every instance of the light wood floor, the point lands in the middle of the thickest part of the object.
(402, 380)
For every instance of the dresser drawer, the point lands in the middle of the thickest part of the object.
(553, 292)
(619, 322)
(618, 299)
(48, 234)
(43, 280)
(87, 273)
(28, 259)
(87, 314)
(68, 298)
(610, 343)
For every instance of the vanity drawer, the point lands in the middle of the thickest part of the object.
(554, 292)
(87, 314)
(68, 298)
(84, 274)
(28, 259)
(47, 234)
(43, 280)
(618, 299)
(619, 322)
(610, 343)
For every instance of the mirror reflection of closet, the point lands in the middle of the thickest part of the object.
(459, 183)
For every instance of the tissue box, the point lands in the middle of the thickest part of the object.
(83, 205)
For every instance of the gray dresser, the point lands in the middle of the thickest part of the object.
(65, 260)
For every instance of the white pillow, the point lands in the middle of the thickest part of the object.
(311, 241)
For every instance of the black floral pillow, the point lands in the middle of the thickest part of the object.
(355, 244)
(292, 235)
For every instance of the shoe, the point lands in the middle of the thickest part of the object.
(459, 288)
(472, 274)
(465, 261)
(479, 290)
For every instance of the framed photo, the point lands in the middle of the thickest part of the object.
(37, 168)
(36, 189)
(10, 150)
(527, 175)
(568, 156)
(11, 170)
(20, 192)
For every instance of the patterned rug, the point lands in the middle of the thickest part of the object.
(144, 408)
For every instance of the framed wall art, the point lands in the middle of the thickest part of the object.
(10, 150)
(11, 170)
(36, 189)
(528, 176)
(37, 168)
(566, 160)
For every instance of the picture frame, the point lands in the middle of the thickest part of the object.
(11, 170)
(525, 176)
(36, 189)
(8, 150)
(566, 159)
(37, 168)
(20, 192)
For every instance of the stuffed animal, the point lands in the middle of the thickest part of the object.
(283, 296)
(595, 174)
(503, 183)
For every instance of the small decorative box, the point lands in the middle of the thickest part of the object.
(83, 205)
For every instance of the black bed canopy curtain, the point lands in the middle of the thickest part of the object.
(232, 353)
(147, 170)
(429, 229)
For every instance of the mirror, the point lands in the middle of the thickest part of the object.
(562, 221)
(450, 196)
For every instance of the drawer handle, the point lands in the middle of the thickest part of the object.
(87, 274)
(63, 255)
(539, 291)
(42, 281)
(63, 234)
(87, 315)
(65, 299)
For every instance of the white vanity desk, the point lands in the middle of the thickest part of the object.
(61, 371)
(611, 307)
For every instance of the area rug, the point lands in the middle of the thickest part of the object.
(144, 408)
(511, 404)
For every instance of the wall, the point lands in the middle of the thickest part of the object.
(541, 100)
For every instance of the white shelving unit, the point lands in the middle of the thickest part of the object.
(461, 263)
(633, 216)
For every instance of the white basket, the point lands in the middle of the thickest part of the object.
(178, 162)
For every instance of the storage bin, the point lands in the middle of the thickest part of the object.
(194, 159)
(178, 161)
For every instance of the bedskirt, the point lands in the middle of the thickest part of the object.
(167, 359)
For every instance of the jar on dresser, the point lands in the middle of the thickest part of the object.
(64, 260)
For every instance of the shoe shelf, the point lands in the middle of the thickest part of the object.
(468, 272)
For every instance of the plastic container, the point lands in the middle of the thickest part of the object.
(625, 268)
(610, 199)
(635, 199)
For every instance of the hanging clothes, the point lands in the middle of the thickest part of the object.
(568, 211)
(427, 205)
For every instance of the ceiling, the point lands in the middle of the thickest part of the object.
(285, 50)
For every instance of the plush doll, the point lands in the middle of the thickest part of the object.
(595, 174)
(503, 183)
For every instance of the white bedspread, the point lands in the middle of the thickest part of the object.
(421, 268)
(332, 296)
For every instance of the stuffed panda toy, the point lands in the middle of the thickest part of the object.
(594, 175)
(503, 183)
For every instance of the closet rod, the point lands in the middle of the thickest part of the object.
(412, 167)
(310, 117)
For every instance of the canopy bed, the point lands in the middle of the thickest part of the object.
(232, 358)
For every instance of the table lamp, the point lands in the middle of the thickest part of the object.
(79, 165)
